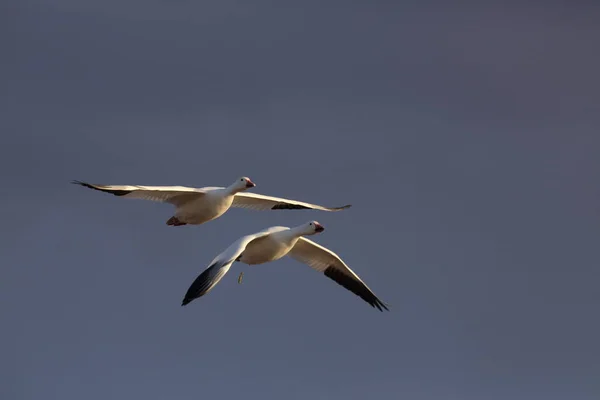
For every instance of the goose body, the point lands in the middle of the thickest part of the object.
(274, 243)
(271, 247)
(195, 206)
(201, 209)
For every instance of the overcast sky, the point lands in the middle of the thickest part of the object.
(465, 136)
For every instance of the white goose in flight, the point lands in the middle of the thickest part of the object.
(195, 206)
(273, 243)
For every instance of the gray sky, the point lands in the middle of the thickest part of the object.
(466, 138)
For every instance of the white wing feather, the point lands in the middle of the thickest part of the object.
(261, 202)
(176, 195)
(331, 265)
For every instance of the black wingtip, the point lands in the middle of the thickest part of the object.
(340, 208)
(186, 301)
(286, 206)
(90, 186)
(84, 184)
(377, 304)
(358, 288)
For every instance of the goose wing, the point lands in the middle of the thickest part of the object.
(331, 265)
(261, 202)
(176, 195)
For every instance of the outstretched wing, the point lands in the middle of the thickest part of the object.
(331, 265)
(176, 195)
(220, 265)
(261, 202)
(206, 281)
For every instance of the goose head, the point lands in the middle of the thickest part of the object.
(311, 228)
(241, 184)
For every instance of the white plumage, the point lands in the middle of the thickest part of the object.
(273, 243)
(195, 206)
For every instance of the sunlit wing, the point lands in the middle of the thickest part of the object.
(331, 265)
(176, 195)
(261, 202)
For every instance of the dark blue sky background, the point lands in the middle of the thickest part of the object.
(465, 136)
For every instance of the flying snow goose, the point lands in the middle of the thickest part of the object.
(273, 243)
(195, 206)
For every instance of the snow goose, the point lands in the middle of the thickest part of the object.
(195, 206)
(273, 243)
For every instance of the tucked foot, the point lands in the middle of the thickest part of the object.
(174, 221)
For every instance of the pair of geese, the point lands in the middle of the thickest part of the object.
(195, 206)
